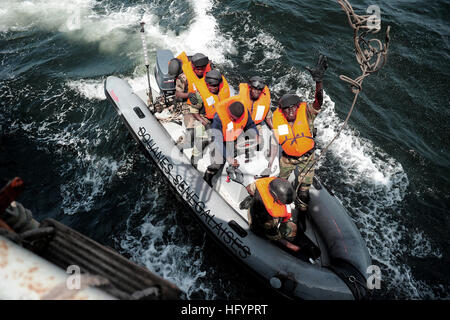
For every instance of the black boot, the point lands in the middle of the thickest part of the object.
(301, 205)
(245, 204)
(208, 177)
(194, 161)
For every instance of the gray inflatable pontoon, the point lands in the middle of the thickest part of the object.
(341, 270)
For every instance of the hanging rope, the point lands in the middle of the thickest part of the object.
(371, 56)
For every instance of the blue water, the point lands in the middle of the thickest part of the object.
(389, 167)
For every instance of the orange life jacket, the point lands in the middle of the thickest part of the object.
(258, 109)
(196, 84)
(231, 130)
(275, 209)
(295, 140)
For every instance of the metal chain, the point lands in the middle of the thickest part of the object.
(371, 56)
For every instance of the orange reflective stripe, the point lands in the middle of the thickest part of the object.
(196, 84)
(259, 108)
(295, 140)
(224, 90)
(275, 209)
(231, 130)
(183, 57)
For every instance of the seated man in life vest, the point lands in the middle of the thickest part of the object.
(231, 121)
(269, 213)
(204, 110)
(191, 88)
(293, 128)
(256, 98)
(255, 95)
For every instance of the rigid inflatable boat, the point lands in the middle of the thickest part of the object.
(341, 270)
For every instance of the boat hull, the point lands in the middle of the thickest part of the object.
(298, 278)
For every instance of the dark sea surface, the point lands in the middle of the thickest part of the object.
(389, 167)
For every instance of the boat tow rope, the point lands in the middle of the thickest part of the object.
(371, 56)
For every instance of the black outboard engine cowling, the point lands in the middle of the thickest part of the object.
(166, 82)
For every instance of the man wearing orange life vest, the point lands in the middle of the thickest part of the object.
(194, 67)
(217, 90)
(231, 120)
(204, 113)
(200, 95)
(293, 129)
(270, 213)
(256, 98)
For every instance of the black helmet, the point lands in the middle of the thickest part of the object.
(213, 77)
(236, 109)
(199, 60)
(175, 67)
(257, 82)
(288, 100)
(282, 190)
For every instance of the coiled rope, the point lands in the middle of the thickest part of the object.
(371, 56)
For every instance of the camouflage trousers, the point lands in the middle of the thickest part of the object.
(288, 164)
(201, 140)
(196, 135)
(189, 119)
(274, 228)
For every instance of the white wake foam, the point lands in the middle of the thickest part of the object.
(154, 240)
(372, 186)
(18, 15)
(93, 89)
(89, 89)
(117, 30)
(375, 187)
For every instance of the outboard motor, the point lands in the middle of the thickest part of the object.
(165, 81)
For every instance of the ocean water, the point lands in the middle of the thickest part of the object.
(389, 167)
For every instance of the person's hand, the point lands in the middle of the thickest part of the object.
(318, 71)
(235, 163)
(193, 98)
